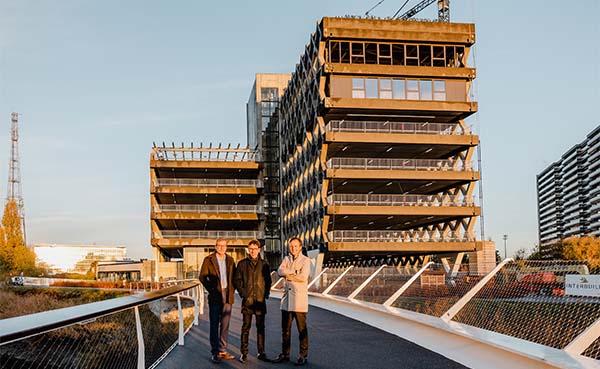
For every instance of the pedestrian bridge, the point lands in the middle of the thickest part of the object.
(436, 316)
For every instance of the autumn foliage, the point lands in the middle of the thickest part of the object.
(15, 257)
(582, 248)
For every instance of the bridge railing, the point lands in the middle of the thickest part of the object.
(533, 301)
(134, 331)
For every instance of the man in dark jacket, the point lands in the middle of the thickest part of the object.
(216, 275)
(253, 283)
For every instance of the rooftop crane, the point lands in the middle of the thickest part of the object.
(443, 10)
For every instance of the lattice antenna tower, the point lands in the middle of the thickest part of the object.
(15, 190)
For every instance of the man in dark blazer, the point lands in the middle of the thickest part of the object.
(216, 275)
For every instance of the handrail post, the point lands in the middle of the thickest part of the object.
(196, 310)
(181, 333)
(405, 286)
(584, 339)
(201, 299)
(317, 277)
(447, 316)
(365, 283)
(330, 287)
(141, 360)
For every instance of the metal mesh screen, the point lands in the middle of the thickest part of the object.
(385, 284)
(435, 291)
(160, 325)
(593, 350)
(526, 299)
(325, 279)
(107, 342)
(351, 280)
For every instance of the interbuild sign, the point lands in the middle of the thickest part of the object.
(582, 285)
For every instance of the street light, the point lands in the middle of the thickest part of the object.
(505, 237)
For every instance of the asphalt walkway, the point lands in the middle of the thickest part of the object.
(335, 341)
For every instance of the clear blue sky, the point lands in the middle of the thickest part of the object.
(97, 82)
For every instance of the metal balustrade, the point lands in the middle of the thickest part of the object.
(197, 208)
(208, 182)
(390, 236)
(134, 331)
(398, 200)
(395, 127)
(205, 154)
(209, 234)
(521, 306)
(398, 164)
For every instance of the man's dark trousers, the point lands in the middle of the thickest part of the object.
(286, 330)
(219, 316)
(260, 332)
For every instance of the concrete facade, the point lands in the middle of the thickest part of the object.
(376, 155)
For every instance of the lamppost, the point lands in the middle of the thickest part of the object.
(505, 237)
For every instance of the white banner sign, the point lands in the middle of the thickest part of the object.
(582, 285)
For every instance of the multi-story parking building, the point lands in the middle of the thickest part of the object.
(376, 155)
(199, 195)
(568, 193)
(366, 156)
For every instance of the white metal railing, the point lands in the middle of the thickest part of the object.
(205, 154)
(209, 234)
(103, 334)
(400, 164)
(195, 208)
(395, 127)
(209, 182)
(391, 236)
(520, 307)
(398, 200)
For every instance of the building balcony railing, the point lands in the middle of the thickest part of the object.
(398, 164)
(397, 200)
(195, 208)
(390, 236)
(204, 154)
(395, 127)
(208, 182)
(209, 234)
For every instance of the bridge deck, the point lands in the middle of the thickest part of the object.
(335, 341)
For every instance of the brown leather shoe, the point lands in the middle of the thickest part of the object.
(226, 355)
(301, 361)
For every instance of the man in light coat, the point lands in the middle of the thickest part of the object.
(295, 268)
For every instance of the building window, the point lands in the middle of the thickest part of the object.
(385, 88)
(412, 55)
(358, 53)
(412, 89)
(371, 88)
(399, 89)
(425, 90)
(354, 52)
(358, 88)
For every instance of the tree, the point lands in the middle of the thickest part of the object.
(520, 254)
(14, 255)
(4, 264)
(586, 248)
